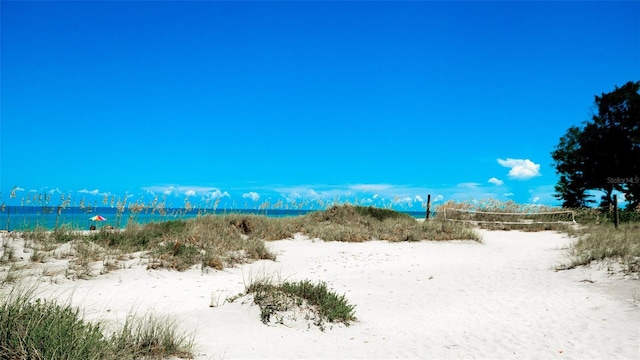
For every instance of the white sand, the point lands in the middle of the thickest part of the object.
(500, 299)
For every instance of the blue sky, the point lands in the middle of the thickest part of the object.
(249, 102)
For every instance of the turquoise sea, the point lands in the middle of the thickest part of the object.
(30, 217)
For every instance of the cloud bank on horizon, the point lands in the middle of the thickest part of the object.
(305, 196)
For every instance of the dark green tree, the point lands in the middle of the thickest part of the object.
(571, 193)
(571, 188)
(603, 155)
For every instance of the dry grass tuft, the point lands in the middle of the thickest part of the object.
(605, 243)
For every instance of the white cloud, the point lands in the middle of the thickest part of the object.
(521, 169)
(216, 194)
(92, 192)
(310, 193)
(496, 181)
(156, 189)
(379, 194)
(251, 195)
(535, 199)
(296, 193)
(375, 188)
(438, 198)
(508, 194)
(178, 190)
(468, 185)
(293, 195)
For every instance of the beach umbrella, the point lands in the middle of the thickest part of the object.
(98, 218)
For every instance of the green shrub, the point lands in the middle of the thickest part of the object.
(42, 329)
(32, 328)
(330, 305)
(347, 214)
(381, 214)
(273, 298)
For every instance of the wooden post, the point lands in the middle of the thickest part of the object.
(8, 217)
(428, 206)
(615, 210)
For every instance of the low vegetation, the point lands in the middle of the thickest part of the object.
(33, 328)
(314, 301)
(605, 243)
(219, 241)
(357, 224)
(596, 216)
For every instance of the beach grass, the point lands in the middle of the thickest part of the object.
(219, 241)
(35, 328)
(605, 244)
(314, 300)
(153, 336)
(357, 224)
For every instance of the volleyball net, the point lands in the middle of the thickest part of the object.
(509, 218)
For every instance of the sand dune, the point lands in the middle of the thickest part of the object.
(500, 299)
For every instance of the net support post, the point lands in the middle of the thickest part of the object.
(615, 210)
(428, 206)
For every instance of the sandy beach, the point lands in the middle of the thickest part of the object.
(499, 299)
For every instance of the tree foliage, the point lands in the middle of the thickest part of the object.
(604, 154)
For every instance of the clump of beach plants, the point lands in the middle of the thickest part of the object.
(34, 328)
(357, 224)
(604, 243)
(318, 304)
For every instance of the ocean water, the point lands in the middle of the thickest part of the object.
(16, 218)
